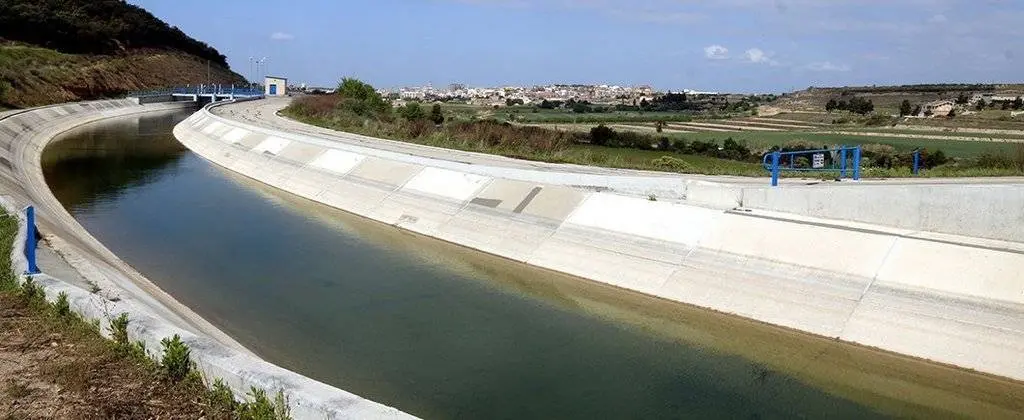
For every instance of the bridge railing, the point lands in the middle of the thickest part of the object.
(841, 159)
(201, 90)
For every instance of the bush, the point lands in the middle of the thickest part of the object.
(61, 306)
(119, 331)
(31, 291)
(601, 134)
(220, 397)
(176, 362)
(669, 163)
(259, 407)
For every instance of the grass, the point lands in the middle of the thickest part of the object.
(762, 140)
(59, 366)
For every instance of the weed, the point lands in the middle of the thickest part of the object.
(176, 361)
(259, 407)
(652, 197)
(220, 397)
(119, 331)
(31, 291)
(61, 306)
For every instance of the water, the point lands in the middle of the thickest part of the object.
(443, 332)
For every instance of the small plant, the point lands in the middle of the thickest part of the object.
(652, 197)
(32, 291)
(176, 362)
(61, 306)
(119, 331)
(220, 397)
(259, 407)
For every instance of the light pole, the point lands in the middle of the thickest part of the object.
(251, 78)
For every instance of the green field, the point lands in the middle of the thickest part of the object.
(766, 139)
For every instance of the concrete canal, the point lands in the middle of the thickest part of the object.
(440, 331)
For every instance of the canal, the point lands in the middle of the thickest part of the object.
(440, 331)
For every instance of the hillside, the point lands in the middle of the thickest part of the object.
(888, 98)
(69, 50)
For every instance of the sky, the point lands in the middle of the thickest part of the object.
(719, 45)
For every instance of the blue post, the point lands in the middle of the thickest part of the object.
(856, 163)
(775, 168)
(30, 240)
(842, 154)
(917, 160)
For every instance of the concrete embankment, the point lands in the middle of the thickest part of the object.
(976, 207)
(951, 299)
(116, 288)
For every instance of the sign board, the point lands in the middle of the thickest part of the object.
(818, 161)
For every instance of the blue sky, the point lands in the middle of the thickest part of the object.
(724, 45)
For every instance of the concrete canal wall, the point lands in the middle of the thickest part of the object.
(153, 315)
(951, 299)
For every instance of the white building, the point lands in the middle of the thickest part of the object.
(275, 86)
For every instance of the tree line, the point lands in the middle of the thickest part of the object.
(855, 104)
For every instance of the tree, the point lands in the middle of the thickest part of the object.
(1018, 103)
(601, 134)
(916, 111)
(436, 115)
(831, 105)
(962, 99)
(981, 105)
(412, 111)
(361, 98)
(643, 103)
(905, 108)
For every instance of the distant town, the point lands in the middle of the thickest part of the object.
(521, 95)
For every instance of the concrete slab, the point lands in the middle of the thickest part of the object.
(446, 183)
(385, 172)
(300, 153)
(336, 161)
(497, 232)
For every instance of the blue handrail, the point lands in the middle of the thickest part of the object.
(817, 160)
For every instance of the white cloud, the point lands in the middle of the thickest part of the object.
(939, 18)
(716, 52)
(756, 55)
(282, 36)
(827, 66)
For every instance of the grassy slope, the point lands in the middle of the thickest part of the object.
(39, 76)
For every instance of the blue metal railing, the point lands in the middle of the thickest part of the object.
(820, 160)
(229, 90)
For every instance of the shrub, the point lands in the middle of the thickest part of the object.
(61, 306)
(176, 362)
(670, 163)
(220, 397)
(31, 291)
(601, 135)
(119, 331)
(259, 407)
